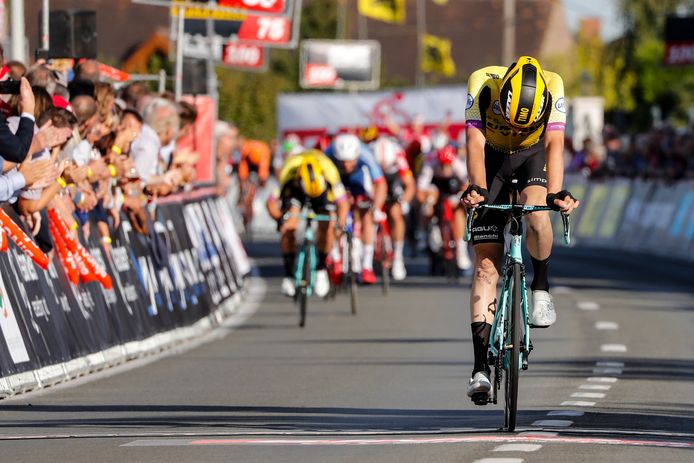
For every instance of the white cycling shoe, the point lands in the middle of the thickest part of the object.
(322, 287)
(479, 384)
(463, 258)
(288, 288)
(398, 271)
(542, 313)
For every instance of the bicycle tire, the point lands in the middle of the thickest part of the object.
(352, 278)
(305, 281)
(515, 336)
(385, 268)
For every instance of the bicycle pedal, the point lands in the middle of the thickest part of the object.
(480, 398)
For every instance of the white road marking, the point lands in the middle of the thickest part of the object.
(606, 326)
(602, 379)
(499, 460)
(553, 423)
(613, 348)
(595, 387)
(561, 290)
(588, 305)
(577, 403)
(518, 448)
(588, 395)
(565, 413)
(610, 364)
(607, 371)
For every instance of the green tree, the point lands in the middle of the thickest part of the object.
(248, 99)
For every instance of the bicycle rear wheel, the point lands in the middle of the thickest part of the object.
(352, 277)
(514, 338)
(385, 265)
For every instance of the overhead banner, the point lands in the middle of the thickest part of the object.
(186, 265)
(340, 64)
(315, 114)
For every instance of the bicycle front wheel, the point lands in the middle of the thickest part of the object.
(305, 282)
(514, 337)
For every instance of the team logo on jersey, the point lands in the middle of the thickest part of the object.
(496, 108)
(470, 101)
(561, 105)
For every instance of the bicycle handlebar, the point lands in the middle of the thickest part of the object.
(314, 216)
(521, 209)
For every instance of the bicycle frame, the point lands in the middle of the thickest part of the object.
(308, 250)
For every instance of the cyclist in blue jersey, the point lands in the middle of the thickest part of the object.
(363, 178)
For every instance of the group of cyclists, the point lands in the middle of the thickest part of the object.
(515, 119)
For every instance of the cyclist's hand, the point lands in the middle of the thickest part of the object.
(562, 201)
(474, 195)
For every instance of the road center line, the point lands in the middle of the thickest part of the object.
(577, 403)
(499, 460)
(518, 448)
(602, 379)
(606, 326)
(613, 348)
(588, 305)
(588, 395)
(595, 387)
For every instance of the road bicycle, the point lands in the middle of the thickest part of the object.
(383, 253)
(509, 340)
(307, 259)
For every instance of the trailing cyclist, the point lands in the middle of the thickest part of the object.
(252, 171)
(401, 190)
(364, 180)
(443, 178)
(516, 118)
(308, 179)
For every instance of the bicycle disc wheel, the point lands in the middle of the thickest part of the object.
(515, 337)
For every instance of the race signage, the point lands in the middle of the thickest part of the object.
(266, 29)
(268, 6)
(339, 64)
(243, 56)
(679, 41)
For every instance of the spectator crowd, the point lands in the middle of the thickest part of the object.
(89, 151)
(662, 153)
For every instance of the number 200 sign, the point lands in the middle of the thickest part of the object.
(268, 6)
(265, 29)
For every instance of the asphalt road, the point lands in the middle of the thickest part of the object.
(611, 381)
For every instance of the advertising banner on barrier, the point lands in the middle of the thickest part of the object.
(314, 114)
(171, 276)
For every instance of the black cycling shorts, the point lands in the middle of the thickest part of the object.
(529, 167)
(395, 187)
(294, 197)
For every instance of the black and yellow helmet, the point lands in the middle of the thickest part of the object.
(523, 95)
(311, 179)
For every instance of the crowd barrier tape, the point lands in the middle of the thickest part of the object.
(171, 285)
(647, 216)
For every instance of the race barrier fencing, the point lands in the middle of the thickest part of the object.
(172, 284)
(647, 216)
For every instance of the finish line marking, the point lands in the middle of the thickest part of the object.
(538, 439)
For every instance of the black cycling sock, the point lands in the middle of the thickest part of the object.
(540, 274)
(322, 256)
(480, 344)
(288, 260)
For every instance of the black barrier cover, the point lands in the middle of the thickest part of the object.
(59, 321)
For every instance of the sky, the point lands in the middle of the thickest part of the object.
(604, 9)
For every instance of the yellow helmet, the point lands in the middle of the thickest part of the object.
(523, 95)
(368, 134)
(311, 178)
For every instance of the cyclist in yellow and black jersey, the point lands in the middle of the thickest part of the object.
(308, 179)
(515, 130)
